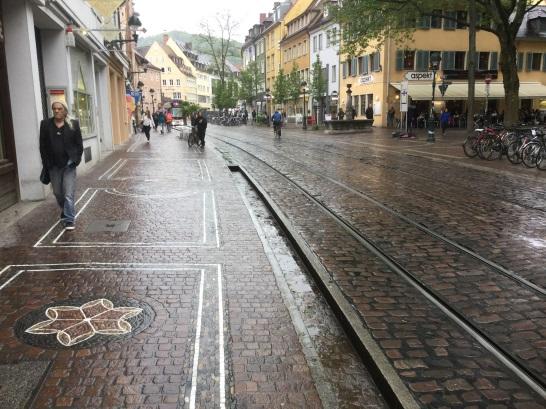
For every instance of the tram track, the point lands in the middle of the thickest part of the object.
(531, 377)
(397, 168)
(539, 290)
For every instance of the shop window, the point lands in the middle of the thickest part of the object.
(83, 105)
(363, 105)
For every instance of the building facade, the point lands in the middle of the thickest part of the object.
(55, 51)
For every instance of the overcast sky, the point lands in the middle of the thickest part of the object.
(158, 16)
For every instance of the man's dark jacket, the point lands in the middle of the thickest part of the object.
(55, 149)
(201, 126)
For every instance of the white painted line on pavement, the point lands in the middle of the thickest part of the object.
(11, 279)
(208, 173)
(204, 217)
(108, 171)
(221, 358)
(197, 342)
(215, 217)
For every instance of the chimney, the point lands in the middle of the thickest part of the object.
(262, 17)
(165, 38)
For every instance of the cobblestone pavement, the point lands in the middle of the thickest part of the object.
(165, 297)
(388, 195)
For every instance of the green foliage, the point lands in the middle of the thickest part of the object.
(189, 108)
(225, 95)
(280, 88)
(319, 86)
(294, 84)
(199, 45)
(251, 80)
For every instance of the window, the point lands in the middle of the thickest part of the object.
(177, 82)
(164, 82)
(169, 69)
(314, 44)
(171, 82)
(344, 69)
(459, 60)
(354, 64)
(356, 99)
(334, 74)
(320, 42)
(405, 60)
(448, 60)
(533, 61)
(83, 111)
(436, 20)
(449, 22)
(327, 38)
(483, 61)
(462, 16)
(421, 60)
(423, 22)
(362, 104)
(519, 61)
(362, 67)
(375, 62)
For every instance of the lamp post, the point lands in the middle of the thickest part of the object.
(349, 104)
(304, 89)
(487, 89)
(152, 91)
(435, 59)
(267, 98)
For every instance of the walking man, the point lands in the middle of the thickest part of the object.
(61, 149)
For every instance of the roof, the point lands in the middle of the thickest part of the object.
(529, 25)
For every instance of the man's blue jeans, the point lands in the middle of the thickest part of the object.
(63, 181)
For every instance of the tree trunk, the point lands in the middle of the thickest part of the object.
(508, 65)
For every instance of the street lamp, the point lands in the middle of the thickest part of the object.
(152, 91)
(267, 98)
(304, 89)
(435, 59)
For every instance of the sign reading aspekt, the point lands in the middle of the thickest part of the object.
(419, 75)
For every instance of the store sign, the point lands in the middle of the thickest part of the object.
(419, 75)
(365, 79)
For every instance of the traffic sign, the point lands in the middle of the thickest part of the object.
(404, 96)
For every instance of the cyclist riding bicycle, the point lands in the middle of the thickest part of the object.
(277, 121)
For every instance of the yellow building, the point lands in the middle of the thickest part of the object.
(272, 35)
(376, 75)
(295, 43)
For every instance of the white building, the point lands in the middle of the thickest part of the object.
(324, 43)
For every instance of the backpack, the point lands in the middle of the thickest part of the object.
(169, 117)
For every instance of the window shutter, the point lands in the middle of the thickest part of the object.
(354, 66)
(493, 60)
(544, 62)
(445, 60)
(529, 62)
(520, 61)
(366, 64)
(419, 64)
(360, 65)
(344, 69)
(399, 60)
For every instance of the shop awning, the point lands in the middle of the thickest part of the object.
(422, 91)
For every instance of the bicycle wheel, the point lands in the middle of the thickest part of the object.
(469, 146)
(513, 153)
(191, 139)
(529, 155)
(541, 160)
(485, 148)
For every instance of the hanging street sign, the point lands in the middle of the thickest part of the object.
(419, 75)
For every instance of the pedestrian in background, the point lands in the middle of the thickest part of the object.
(390, 117)
(444, 120)
(169, 120)
(201, 123)
(155, 118)
(369, 112)
(161, 120)
(340, 114)
(61, 149)
(147, 124)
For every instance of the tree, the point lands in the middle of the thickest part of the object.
(319, 85)
(251, 82)
(219, 42)
(381, 19)
(294, 85)
(280, 88)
